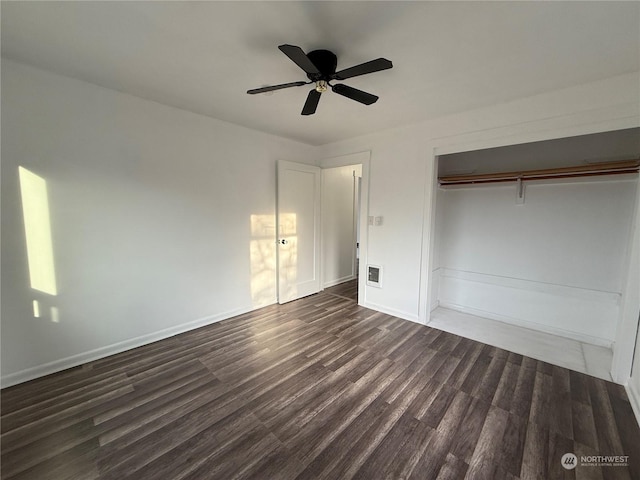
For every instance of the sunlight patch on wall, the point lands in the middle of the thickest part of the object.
(37, 224)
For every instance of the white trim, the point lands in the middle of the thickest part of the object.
(333, 283)
(602, 119)
(428, 241)
(634, 399)
(347, 159)
(527, 324)
(392, 311)
(102, 352)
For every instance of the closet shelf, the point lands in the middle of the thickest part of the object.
(608, 168)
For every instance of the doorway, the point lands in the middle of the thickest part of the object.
(334, 224)
(340, 229)
(345, 203)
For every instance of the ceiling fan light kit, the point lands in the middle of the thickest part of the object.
(320, 67)
(321, 86)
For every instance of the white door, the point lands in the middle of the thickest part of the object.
(298, 217)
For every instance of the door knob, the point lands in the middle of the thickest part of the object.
(284, 241)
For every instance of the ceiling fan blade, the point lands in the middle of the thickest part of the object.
(354, 94)
(299, 58)
(312, 103)
(276, 87)
(364, 68)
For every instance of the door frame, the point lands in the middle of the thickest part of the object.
(363, 158)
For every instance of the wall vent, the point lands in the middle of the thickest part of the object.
(374, 276)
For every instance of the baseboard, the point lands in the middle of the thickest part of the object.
(333, 283)
(601, 342)
(412, 317)
(634, 399)
(102, 352)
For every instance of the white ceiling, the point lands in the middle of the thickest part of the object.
(448, 56)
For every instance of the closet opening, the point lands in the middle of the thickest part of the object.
(531, 246)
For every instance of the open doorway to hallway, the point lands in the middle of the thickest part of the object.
(341, 206)
(347, 290)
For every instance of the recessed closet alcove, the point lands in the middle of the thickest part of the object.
(537, 235)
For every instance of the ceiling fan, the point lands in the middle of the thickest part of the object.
(320, 67)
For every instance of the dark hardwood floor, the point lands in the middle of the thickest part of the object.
(317, 388)
(348, 290)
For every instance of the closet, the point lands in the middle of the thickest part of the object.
(538, 234)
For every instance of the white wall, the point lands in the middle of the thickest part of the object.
(402, 177)
(152, 206)
(162, 220)
(556, 263)
(396, 192)
(339, 217)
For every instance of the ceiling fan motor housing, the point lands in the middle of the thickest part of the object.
(325, 61)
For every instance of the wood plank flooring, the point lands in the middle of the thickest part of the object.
(347, 289)
(319, 388)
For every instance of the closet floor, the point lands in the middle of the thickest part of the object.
(564, 352)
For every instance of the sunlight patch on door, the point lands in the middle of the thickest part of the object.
(262, 251)
(288, 253)
(37, 225)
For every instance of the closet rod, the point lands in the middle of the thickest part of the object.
(608, 168)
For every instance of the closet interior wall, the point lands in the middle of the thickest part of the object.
(554, 260)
